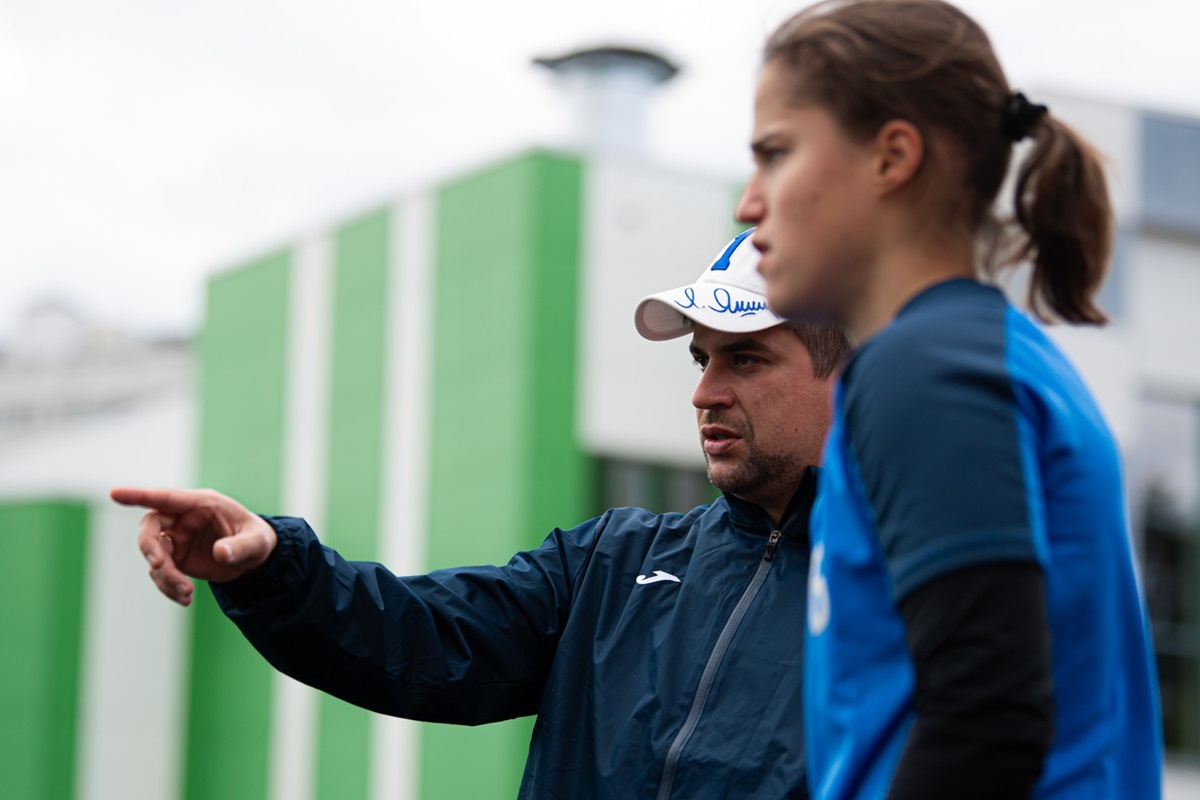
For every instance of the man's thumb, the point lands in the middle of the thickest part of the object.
(246, 549)
(226, 552)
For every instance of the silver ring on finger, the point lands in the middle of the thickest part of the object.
(167, 537)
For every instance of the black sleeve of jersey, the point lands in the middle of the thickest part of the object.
(980, 640)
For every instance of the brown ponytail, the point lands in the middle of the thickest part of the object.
(925, 61)
(1066, 222)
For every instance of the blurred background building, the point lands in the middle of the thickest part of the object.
(441, 379)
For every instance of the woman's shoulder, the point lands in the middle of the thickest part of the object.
(951, 331)
(948, 316)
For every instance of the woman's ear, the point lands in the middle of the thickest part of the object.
(899, 152)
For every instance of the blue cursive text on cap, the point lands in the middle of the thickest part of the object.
(723, 303)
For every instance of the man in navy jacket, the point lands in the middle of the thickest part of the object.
(660, 653)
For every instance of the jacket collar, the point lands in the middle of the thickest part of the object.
(794, 524)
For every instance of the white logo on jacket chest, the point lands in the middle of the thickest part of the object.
(818, 593)
(657, 577)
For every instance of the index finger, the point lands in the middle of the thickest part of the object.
(170, 501)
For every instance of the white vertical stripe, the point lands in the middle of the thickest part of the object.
(130, 723)
(407, 394)
(130, 731)
(305, 447)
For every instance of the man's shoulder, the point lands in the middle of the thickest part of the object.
(631, 521)
(619, 540)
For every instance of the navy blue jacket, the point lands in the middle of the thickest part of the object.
(661, 653)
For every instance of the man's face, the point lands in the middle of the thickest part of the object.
(762, 414)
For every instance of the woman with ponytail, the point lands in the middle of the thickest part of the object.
(975, 623)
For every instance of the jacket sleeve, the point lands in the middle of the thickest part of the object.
(467, 645)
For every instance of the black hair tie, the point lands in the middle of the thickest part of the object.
(1021, 117)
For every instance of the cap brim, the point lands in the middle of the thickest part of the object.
(729, 309)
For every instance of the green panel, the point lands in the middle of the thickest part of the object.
(242, 368)
(504, 467)
(242, 365)
(558, 485)
(355, 467)
(481, 366)
(41, 609)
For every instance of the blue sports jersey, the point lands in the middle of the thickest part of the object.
(963, 437)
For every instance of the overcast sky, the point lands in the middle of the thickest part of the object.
(145, 145)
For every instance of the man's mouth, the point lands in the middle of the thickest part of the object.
(718, 440)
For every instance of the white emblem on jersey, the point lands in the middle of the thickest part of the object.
(658, 576)
(818, 593)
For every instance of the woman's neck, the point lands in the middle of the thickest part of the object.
(903, 272)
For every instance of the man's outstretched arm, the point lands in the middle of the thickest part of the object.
(465, 645)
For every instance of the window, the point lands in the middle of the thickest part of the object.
(1170, 174)
(654, 487)
(1167, 507)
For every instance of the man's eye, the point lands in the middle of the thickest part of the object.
(700, 362)
(744, 360)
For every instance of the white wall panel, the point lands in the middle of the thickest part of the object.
(644, 230)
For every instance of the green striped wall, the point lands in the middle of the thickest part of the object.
(41, 608)
(504, 466)
(360, 264)
(242, 376)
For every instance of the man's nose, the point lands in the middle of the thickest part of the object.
(712, 391)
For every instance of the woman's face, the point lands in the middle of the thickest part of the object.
(812, 200)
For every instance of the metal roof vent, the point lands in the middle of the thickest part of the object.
(608, 88)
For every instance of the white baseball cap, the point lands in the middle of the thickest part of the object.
(730, 296)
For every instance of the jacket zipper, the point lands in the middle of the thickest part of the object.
(715, 658)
